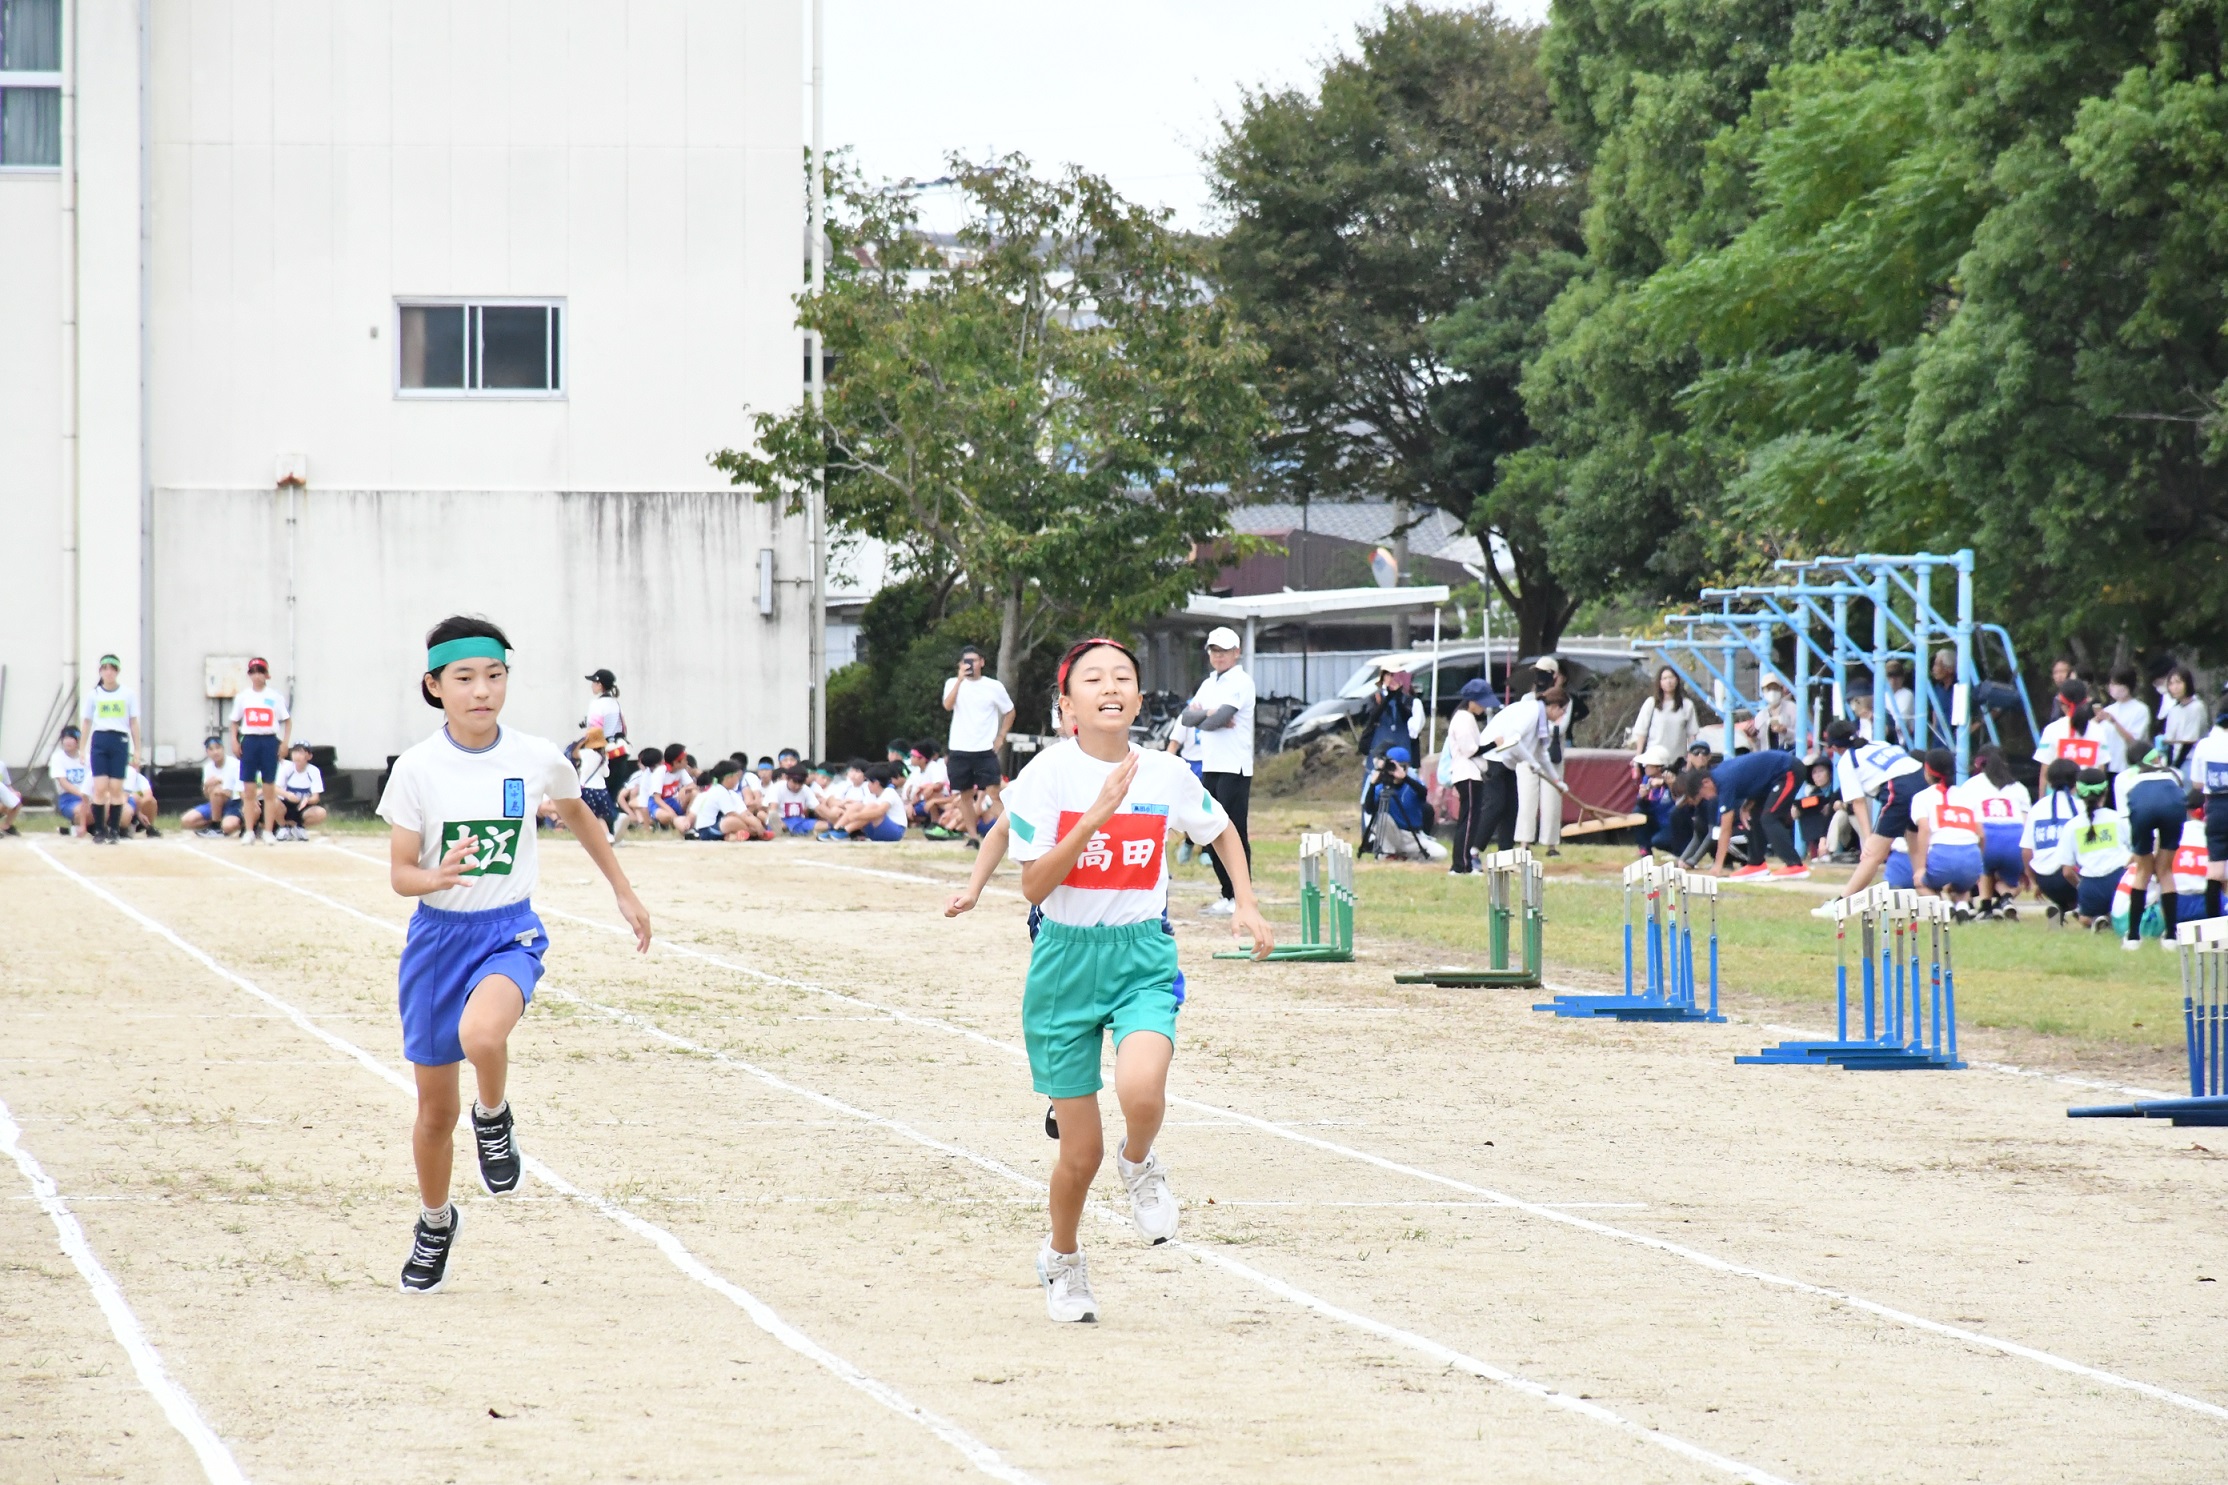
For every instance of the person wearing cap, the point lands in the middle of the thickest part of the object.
(111, 717)
(71, 773)
(1222, 709)
(1656, 800)
(1465, 772)
(262, 728)
(982, 715)
(603, 712)
(1400, 812)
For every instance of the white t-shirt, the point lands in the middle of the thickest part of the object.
(2098, 842)
(594, 767)
(259, 713)
(1996, 807)
(2208, 762)
(603, 711)
(2053, 744)
(1226, 749)
(1955, 822)
(892, 805)
(225, 775)
(2045, 832)
(1863, 770)
(977, 708)
(70, 775)
(843, 791)
(439, 788)
(135, 782)
(299, 784)
(110, 711)
(1122, 875)
(2135, 715)
(2182, 721)
(643, 783)
(713, 801)
(795, 802)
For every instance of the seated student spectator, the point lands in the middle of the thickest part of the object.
(2100, 855)
(218, 815)
(787, 759)
(764, 773)
(1816, 801)
(878, 814)
(301, 786)
(140, 808)
(2192, 874)
(839, 794)
(676, 788)
(1948, 831)
(10, 802)
(795, 802)
(1757, 790)
(1654, 800)
(70, 768)
(640, 791)
(1400, 814)
(899, 756)
(718, 810)
(2152, 802)
(928, 788)
(2002, 805)
(2044, 841)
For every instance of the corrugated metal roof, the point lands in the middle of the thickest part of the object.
(1434, 534)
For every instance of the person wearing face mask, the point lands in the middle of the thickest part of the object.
(2126, 719)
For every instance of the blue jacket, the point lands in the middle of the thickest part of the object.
(1405, 804)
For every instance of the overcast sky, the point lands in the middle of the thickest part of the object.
(1130, 89)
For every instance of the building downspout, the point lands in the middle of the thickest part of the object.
(69, 356)
(146, 677)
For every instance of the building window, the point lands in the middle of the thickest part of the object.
(30, 84)
(461, 348)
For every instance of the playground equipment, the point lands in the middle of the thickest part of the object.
(1515, 891)
(1665, 899)
(2204, 951)
(1903, 1029)
(1825, 594)
(1326, 904)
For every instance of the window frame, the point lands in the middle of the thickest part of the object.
(553, 360)
(32, 81)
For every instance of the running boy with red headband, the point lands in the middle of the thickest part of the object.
(1089, 821)
(462, 804)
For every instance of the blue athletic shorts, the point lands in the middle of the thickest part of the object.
(1898, 872)
(2095, 899)
(884, 829)
(800, 824)
(444, 958)
(259, 758)
(1953, 866)
(66, 805)
(1999, 854)
(112, 755)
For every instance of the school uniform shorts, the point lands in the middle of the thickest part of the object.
(445, 957)
(259, 758)
(885, 830)
(1891, 815)
(1999, 854)
(2155, 812)
(1953, 866)
(1897, 873)
(2094, 896)
(1085, 982)
(112, 755)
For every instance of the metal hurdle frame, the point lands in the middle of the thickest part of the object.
(1909, 1003)
(1660, 902)
(1515, 904)
(2204, 955)
(1326, 904)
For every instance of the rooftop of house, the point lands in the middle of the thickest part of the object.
(1433, 534)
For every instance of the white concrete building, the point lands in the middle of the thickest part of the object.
(490, 280)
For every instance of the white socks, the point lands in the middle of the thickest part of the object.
(482, 1112)
(438, 1221)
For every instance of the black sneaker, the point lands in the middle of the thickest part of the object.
(499, 1163)
(428, 1268)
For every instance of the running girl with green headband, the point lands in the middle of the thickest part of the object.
(462, 804)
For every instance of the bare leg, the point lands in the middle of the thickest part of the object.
(1876, 849)
(1141, 1084)
(433, 1133)
(1082, 1151)
(492, 1010)
(966, 799)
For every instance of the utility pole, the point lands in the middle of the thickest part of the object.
(817, 520)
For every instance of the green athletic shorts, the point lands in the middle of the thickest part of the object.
(1087, 981)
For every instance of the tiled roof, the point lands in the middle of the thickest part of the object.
(1434, 534)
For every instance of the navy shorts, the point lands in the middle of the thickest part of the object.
(2216, 827)
(444, 958)
(1892, 813)
(259, 758)
(2155, 811)
(112, 755)
(2095, 895)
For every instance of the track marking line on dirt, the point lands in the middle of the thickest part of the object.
(216, 1459)
(1498, 1198)
(1423, 1345)
(975, 1451)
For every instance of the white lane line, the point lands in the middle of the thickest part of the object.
(975, 1451)
(1538, 1209)
(1423, 1345)
(216, 1460)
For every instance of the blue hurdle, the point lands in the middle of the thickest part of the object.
(1910, 1004)
(2204, 951)
(1660, 904)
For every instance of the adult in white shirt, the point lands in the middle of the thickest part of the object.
(1465, 772)
(982, 715)
(603, 711)
(1539, 785)
(2126, 719)
(1518, 736)
(1222, 709)
(1667, 720)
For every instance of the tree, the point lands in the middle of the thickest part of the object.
(1361, 215)
(1051, 406)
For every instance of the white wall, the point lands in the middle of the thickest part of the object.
(34, 628)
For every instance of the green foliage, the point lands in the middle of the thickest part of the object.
(910, 637)
(1050, 407)
(1423, 172)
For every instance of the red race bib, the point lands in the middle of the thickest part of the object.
(2190, 861)
(2082, 750)
(1996, 807)
(258, 716)
(1123, 857)
(1955, 817)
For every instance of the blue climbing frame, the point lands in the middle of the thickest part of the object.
(2204, 951)
(1816, 607)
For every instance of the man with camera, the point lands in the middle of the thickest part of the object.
(982, 715)
(1400, 811)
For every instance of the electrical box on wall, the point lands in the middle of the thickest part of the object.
(223, 676)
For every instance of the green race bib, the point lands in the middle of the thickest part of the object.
(495, 845)
(111, 708)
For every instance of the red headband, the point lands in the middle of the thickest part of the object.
(1075, 652)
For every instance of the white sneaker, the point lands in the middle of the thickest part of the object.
(2132, 945)
(1151, 1204)
(1221, 907)
(1823, 909)
(1067, 1285)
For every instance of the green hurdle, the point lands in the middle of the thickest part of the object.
(1326, 904)
(1515, 898)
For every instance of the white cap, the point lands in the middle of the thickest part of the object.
(1222, 637)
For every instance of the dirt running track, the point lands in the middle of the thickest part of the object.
(1427, 1235)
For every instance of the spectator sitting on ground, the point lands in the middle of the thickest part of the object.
(10, 802)
(301, 786)
(879, 814)
(218, 815)
(71, 769)
(839, 794)
(637, 794)
(795, 801)
(1400, 813)
(717, 811)
(764, 773)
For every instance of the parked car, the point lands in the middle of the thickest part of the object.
(1458, 664)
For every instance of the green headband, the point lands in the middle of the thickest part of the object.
(471, 647)
(2090, 791)
(111, 660)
